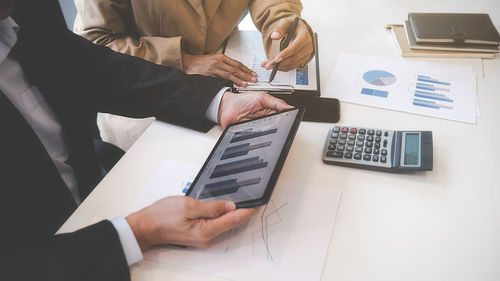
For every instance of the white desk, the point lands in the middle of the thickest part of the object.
(439, 225)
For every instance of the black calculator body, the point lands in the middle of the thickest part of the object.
(377, 149)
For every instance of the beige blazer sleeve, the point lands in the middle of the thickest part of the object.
(110, 23)
(266, 15)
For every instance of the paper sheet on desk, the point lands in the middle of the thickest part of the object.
(166, 181)
(438, 90)
(287, 240)
(247, 47)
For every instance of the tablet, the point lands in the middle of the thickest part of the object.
(245, 163)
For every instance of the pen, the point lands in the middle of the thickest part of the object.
(291, 31)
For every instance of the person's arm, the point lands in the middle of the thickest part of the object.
(111, 24)
(130, 86)
(273, 19)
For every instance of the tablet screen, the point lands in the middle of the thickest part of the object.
(247, 160)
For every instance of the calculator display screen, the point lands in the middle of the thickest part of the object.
(411, 149)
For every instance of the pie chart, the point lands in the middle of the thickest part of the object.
(379, 77)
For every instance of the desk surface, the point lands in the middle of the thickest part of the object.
(439, 225)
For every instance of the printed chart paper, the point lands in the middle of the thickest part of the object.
(438, 90)
(246, 46)
(287, 240)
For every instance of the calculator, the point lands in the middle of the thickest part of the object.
(378, 149)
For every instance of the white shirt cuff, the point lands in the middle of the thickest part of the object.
(213, 109)
(130, 246)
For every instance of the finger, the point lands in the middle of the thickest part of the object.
(199, 209)
(297, 59)
(230, 220)
(298, 43)
(269, 64)
(238, 65)
(281, 29)
(238, 73)
(272, 103)
(227, 75)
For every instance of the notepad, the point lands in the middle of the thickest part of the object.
(246, 46)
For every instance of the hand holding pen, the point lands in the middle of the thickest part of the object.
(298, 50)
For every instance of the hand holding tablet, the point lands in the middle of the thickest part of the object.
(245, 163)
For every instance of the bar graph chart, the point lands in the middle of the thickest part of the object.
(239, 166)
(225, 187)
(373, 92)
(242, 149)
(246, 134)
(432, 93)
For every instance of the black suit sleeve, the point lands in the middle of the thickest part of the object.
(61, 62)
(34, 202)
(91, 253)
(133, 87)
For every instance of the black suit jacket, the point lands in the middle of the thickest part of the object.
(77, 78)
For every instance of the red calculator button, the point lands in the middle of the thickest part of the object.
(345, 130)
(354, 130)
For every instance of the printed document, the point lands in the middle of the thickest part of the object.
(437, 90)
(287, 240)
(246, 46)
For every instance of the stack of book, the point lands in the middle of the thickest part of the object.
(447, 35)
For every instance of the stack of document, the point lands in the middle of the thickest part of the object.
(447, 35)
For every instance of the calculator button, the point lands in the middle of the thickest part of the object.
(375, 158)
(357, 156)
(342, 142)
(354, 130)
(335, 154)
(359, 143)
(376, 151)
(361, 137)
(333, 141)
(358, 149)
(369, 143)
(378, 139)
(335, 135)
(350, 142)
(348, 155)
(378, 133)
(367, 157)
(343, 136)
(377, 145)
(336, 129)
(384, 151)
(385, 143)
(340, 148)
(369, 138)
(352, 137)
(383, 159)
(331, 147)
(371, 132)
(350, 148)
(368, 150)
(345, 130)
(386, 134)
(362, 131)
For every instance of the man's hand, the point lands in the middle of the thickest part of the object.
(182, 220)
(219, 65)
(298, 51)
(244, 106)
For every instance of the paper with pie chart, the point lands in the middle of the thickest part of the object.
(438, 90)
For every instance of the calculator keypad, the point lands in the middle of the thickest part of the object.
(359, 146)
